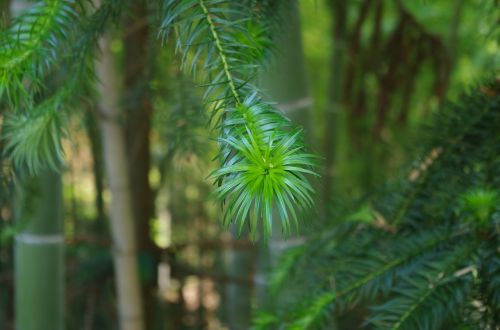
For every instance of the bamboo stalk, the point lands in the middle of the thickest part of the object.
(121, 216)
(39, 253)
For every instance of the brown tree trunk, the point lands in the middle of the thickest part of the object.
(138, 106)
(97, 165)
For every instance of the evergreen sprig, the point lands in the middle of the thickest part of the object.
(34, 138)
(52, 34)
(427, 257)
(263, 159)
(28, 49)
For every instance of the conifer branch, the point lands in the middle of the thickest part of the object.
(455, 197)
(30, 47)
(263, 159)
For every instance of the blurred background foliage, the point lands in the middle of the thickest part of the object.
(363, 77)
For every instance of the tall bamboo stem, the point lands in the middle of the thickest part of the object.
(121, 216)
(39, 253)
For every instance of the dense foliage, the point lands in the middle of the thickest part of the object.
(185, 82)
(423, 252)
(263, 162)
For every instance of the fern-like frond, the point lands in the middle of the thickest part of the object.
(34, 138)
(366, 275)
(430, 296)
(28, 49)
(263, 159)
(488, 289)
(37, 41)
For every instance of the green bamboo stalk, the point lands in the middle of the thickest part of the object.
(39, 246)
(138, 106)
(39, 253)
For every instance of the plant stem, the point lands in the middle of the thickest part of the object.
(39, 254)
(221, 51)
(121, 217)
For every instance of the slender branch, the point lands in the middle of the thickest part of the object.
(221, 51)
(432, 287)
(412, 308)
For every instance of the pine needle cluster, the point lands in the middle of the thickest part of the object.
(262, 155)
